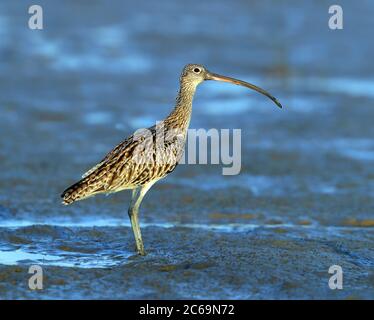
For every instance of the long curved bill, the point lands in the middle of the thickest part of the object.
(217, 77)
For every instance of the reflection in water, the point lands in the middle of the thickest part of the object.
(14, 257)
(63, 259)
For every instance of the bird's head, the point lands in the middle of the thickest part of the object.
(194, 74)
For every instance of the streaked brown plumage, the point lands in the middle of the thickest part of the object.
(150, 154)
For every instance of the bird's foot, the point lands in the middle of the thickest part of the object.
(141, 252)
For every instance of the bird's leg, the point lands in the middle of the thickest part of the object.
(133, 215)
(137, 197)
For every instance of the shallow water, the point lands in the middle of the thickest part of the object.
(304, 199)
(62, 259)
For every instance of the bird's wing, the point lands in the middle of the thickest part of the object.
(109, 156)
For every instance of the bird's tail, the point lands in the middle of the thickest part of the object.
(78, 191)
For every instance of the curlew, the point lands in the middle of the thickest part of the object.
(142, 159)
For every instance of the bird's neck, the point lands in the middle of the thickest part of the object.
(181, 114)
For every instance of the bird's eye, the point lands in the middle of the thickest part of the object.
(196, 70)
